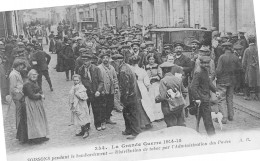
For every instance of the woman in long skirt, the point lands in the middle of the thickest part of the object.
(155, 74)
(79, 107)
(33, 125)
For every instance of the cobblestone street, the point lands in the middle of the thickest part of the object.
(61, 134)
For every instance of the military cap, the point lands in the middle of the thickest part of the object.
(149, 43)
(166, 65)
(227, 44)
(205, 59)
(167, 46)
(241, 31)
(20, 44)
(82, 50)
(30, 44)
(195, 41)
(113, 46)
(19, 50)
(101, 37)
(224, 36)
(229, 33)
(87, 56)
(103, 47)
(203, 28)
(107, 53)
(125, 46)
(238, 46)
(117, 56)
(178, 44)
(235, 35)
(204, 49)
(135, 43)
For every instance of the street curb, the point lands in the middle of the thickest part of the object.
(246, 110)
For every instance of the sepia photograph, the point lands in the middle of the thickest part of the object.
(129, 80)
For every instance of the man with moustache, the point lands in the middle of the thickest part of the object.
(183, 61)
(151, 49)
(136, 51)
(94, 83)
(167, 51)
(110, 85)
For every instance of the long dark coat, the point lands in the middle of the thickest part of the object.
(251, 66)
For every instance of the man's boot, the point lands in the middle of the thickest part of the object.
(81, 133)
(86, 131)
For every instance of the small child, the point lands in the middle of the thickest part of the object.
(78, 106)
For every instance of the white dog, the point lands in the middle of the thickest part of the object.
(217, 116)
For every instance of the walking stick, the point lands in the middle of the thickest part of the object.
(197, 102)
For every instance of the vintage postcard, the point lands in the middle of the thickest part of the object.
(129, 80)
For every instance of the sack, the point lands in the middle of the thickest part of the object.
(176, 100)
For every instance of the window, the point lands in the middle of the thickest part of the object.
(122, 10)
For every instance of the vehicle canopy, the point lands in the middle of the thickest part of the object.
(161, 36)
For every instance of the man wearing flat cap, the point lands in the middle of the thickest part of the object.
(80, 45)
(169, 81)
(228, 63)
(100, 43)
(242, 40)
(151, 49)
(136, 51)
(183, 61)
(200, 89)
(110, 86)
(68, 57)
(92, 80)
(250, 64)
(167, 50)
(128, 90)
(240, 74)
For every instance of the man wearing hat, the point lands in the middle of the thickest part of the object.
(110, 85)
(228, 63)
(250, 63)
(52, 44)
(234, 39)
(151, 49)
(169, 81)
(80, 45)
(16, 87)
(224, 38)
(40, 62)
(242, 40)
(79, 61)
(101, 42)
(93, 81)
(125, 51)
(195, 45)
(167, 50)
(68, 57)
(229, 35)
(240, 74)
(128, 90)
(183, 61)
(200, 88)
(136, 51)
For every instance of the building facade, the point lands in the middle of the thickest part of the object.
(10, 23)
(226, 15)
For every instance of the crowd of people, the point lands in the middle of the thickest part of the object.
(122, 70)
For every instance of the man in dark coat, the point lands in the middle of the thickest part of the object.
(58, 49)
(94, 83)
(40, 62)
(183, 61)
(169, 81)
(251, 67)
(136, 51)
(200, 89)
(228, 63)
(67, 55)
(128, 89)
(151, 49)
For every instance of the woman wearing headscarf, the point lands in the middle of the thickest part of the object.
(33, 125)
(79, 107)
